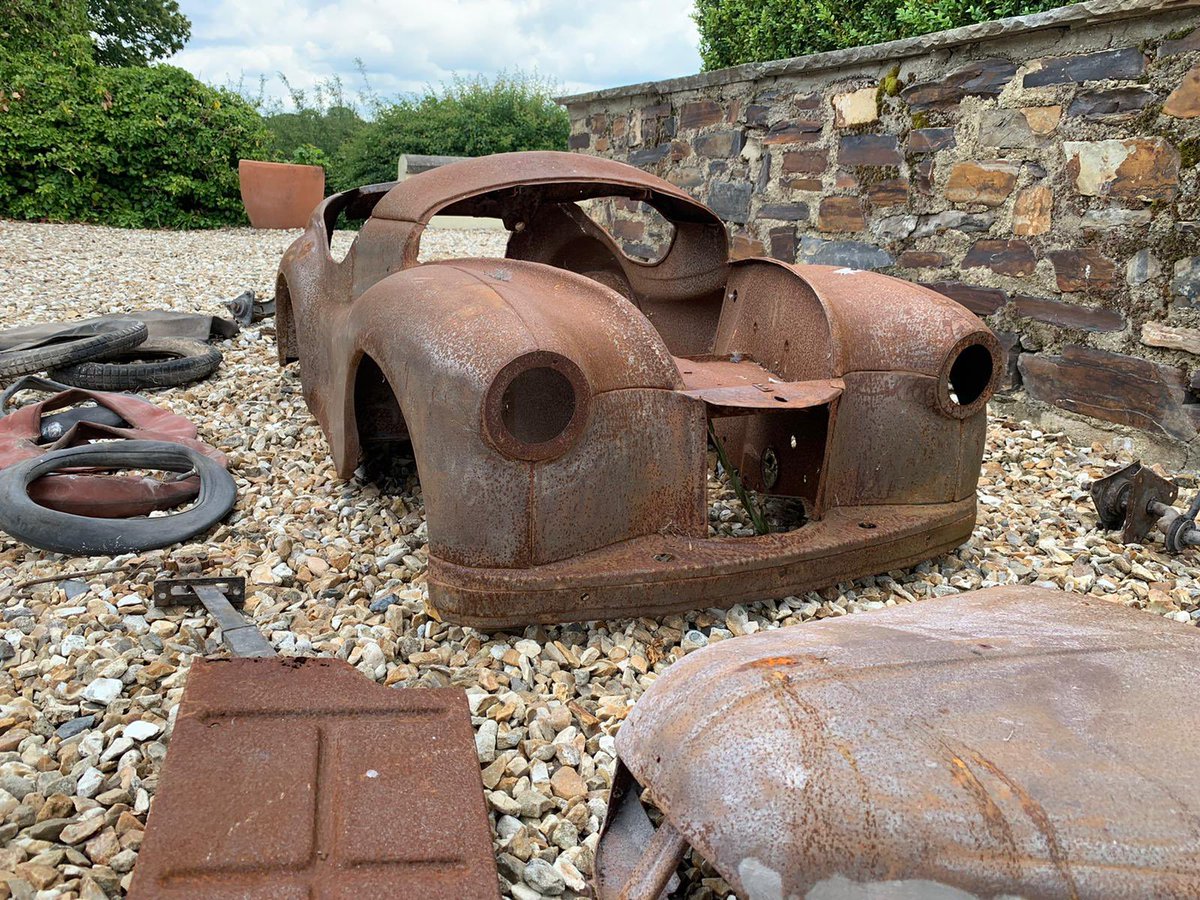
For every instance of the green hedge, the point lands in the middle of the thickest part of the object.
(143, 147)
(739, 31)
(468, 117)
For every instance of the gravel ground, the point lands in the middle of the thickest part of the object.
(90, 674)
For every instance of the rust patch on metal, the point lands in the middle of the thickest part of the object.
(302, 778)
(1000, 742)
(565, 392)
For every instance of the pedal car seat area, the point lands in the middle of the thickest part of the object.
(1012, 741)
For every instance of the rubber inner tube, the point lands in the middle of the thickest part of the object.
(61, 532)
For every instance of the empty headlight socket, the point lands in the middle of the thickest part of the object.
(537, 406)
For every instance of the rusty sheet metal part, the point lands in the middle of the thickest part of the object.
(301, 778)
(563, 394)
(1005, 742)
(93, 494)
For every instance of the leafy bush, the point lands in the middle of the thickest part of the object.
(134, 147)
(740, 31)
(467, 117)
(308, 155)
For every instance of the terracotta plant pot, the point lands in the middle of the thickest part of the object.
(280, 195)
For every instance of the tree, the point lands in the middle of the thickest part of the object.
(136, 32)
(740, 31)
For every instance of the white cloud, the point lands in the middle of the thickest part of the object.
(406, 44)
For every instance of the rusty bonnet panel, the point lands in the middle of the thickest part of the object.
(1012, 741)
(301, 778)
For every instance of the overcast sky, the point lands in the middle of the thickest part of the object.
(406, 44)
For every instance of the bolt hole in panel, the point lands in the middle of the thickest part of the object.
(301, 778)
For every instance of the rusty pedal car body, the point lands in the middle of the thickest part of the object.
(1011, 742)
(557, 400)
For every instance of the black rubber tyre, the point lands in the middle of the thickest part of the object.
(156, 363)
(109, 337)
(62, 532)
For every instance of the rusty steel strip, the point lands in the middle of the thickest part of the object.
(302, 778)
(564, 395)
(1003, 742)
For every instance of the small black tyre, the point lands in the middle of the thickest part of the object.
(156, 363)
(61, 532)
(115, 336)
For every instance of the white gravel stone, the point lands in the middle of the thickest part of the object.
(103, 690)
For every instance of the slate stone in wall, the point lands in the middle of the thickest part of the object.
(893, 229)
(744, 246)
(889, 192)
(1068, 315)
(1114, 387)
(688, 179)
(1125, 64)
(805, 162)
(731, 200)
(629, 229)
(783, 243)
(700, 114)
(923, 259)
(1002, 257)
(841, 214)
(720, 144)
(649, 156)
(985, 78)
(929, 140)
(1185, 284)
(979, 300)
(952, 220)
(1115, 217)
(1005, 128)
(1184, 101)
(1142, 266)
(1032, 210)
(986, 183)
(785, 212)
(1083, 270)
(797, 131)
(580, 141)
(869, 150)
(923, 173)
(1186, 44)
(851, 254)
(1115, 105)
(756, 114)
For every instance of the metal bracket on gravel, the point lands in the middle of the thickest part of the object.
(50, 529)
(1137, 500)
(222, 597)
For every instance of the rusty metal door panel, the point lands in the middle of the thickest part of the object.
(1012, 741)
(879, 455)
(618, 483)
(302, 778)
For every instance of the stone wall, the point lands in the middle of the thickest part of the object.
(1043, 171)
